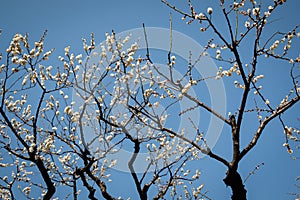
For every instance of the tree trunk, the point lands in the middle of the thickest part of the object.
(235, 182)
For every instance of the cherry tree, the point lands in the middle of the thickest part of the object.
(54, 137)
(64, 125)
(255, 17)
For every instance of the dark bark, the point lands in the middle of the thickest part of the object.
(100, 184)
(91, 190)
(235, 182)
(141, 191)
(50, 186)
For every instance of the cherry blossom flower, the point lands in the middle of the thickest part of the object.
(209, 10)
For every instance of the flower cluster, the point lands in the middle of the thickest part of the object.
(229, 72)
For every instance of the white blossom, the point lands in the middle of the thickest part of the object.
(68, 110)
(256, 11)
(200, 16)
(209, 10)
(27, 190)
(247, 24)
(186, 88)
(267, 102)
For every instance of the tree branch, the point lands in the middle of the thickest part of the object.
(264, 123)
(205, 151)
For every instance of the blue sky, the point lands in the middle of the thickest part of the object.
(68, 21)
